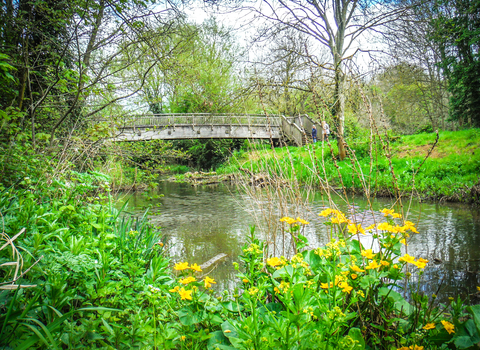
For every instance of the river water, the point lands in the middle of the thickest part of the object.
(203, 221)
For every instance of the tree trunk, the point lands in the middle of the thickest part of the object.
(339, 106)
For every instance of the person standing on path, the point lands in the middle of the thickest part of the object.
(325, 130)
(314, 134)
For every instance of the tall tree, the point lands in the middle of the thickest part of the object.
(339, 25)
(66, 54)
(457, 31)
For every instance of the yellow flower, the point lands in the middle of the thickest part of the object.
(397, 216)
(354, 229)
(384, 263)
(450, 328)
(303, 222)
(228, 331)
(420, 263)
(354, 276)
(245, 280)
(429, 326)
(407, 258)
(368, 254)
(387, 212)
(208, 282)
(416, 347)
(345, 287)
(373, 265)
(385, 226)
(174, 290)
(276, 290)
(326, 285)
(356, 268)
(181, 266)
(403, 241)
(371, 227)
(339, 219)
(182, 338)
(361, 293)
(288, 220)
(478, 288)
(326, 212)
(195, 267)
(395, 266)
(185, 294)
(274, 261)
(187, 280)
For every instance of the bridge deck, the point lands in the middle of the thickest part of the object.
(206, 126)
(181, 126)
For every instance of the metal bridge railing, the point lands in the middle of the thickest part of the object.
(157, 120)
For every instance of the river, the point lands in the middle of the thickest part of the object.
(203, 221)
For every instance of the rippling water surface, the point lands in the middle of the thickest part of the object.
(201, 222)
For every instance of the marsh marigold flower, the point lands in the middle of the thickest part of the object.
(274, 261)
(345, 287)
(354, 276)
(303, 222)
(407, 258)
(195, 267)
(185, 294)
(181, 266)
(187, 280)
(387, 212)
(208, 282)
(174, 290)
(429, 326)
(326, 212)
(356, 268)
(326, 285)
(420, 263)
(450, 328)
(368, 254)
(288, 220)
(373, 265)
(354, 229)
(385, 226)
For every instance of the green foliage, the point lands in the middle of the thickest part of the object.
(207, 154)
(451, 173)
(457, 32)
(91, 254)
(100, 278)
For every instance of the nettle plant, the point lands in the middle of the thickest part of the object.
(339, 296)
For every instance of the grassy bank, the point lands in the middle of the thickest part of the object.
(79, 274)
(90, 277)
(451, 172)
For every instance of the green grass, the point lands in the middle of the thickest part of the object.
(449, 173)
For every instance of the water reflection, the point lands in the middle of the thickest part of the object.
(201, 222)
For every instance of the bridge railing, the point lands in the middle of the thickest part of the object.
(158, 120)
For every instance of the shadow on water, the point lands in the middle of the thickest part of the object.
(201, 222)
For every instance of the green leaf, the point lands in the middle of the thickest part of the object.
(475, 312)
(217, 338)
(232, 306)
(356, 334)
(188, 317)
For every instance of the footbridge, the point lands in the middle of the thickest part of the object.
(143, 127)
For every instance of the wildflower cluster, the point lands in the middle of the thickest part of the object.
(187, 280)
(292, 221)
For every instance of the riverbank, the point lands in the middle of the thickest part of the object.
(443, 170)
(90, 267)
(85, 264)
